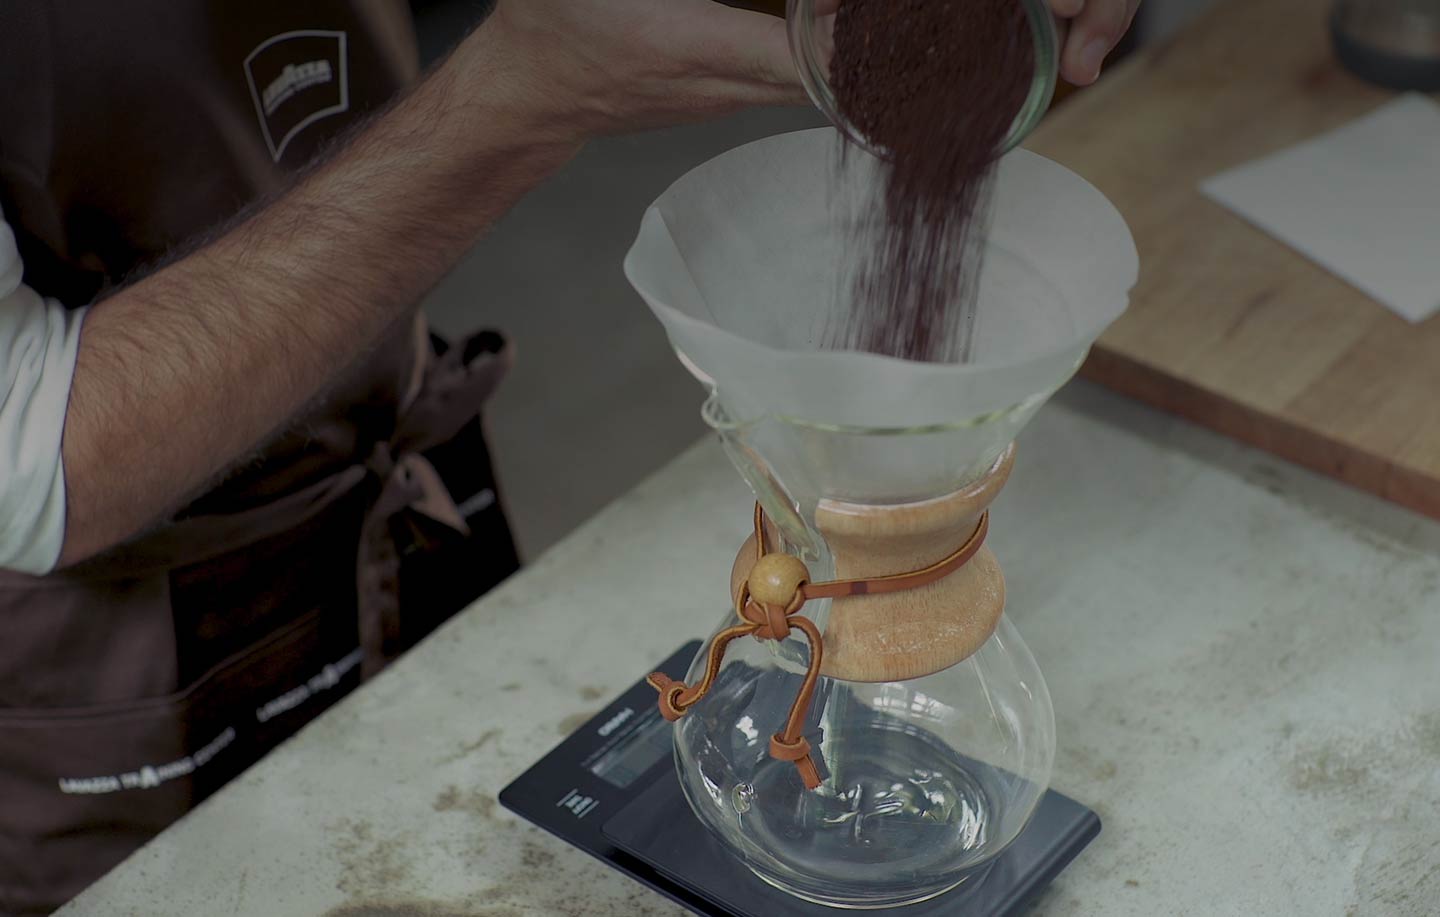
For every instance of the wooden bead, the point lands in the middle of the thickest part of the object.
(775, 578)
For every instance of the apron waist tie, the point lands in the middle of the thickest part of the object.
(450, 396)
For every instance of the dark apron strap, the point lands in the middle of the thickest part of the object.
(455, 386)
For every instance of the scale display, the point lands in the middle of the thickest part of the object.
(610, 790)
(639, 751)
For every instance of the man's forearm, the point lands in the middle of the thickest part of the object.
(189, 370)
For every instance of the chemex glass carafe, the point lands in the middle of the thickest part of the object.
(865, 727)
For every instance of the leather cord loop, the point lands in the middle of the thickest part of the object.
(772, 621)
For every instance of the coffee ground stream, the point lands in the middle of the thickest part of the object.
(936, 84)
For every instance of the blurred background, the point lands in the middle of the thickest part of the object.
(597, 401)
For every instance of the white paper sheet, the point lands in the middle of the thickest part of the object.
(1362, 201)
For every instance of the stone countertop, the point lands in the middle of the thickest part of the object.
(1243, 658)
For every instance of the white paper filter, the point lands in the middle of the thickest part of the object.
(746, 260)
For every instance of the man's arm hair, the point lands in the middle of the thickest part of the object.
(183, 373)
(187, 371)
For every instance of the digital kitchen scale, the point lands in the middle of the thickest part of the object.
(610, 789)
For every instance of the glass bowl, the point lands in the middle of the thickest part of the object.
(810, 24)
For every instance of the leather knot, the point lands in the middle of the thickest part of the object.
(797, 752)
(774, 590)
(670, 691)
(782, 750)
(770, 620)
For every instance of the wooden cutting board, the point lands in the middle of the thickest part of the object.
(1228, 326)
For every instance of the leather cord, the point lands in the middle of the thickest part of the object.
(773, 621)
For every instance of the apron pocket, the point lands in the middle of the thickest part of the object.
(83, 787)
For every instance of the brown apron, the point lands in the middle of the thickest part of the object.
(135, 684)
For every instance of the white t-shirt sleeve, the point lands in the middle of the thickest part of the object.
(39, 339)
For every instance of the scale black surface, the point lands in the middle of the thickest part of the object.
(610, 789)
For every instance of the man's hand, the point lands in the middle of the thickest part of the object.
(1096, 27)
(1091, 29)
(612, 65)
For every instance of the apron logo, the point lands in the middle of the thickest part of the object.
(152, 775)
(322, 681)
(149, 776)
(295, 79)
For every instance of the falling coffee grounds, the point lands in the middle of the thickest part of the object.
(935, 85)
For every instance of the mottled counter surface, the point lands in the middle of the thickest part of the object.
(1245, 662)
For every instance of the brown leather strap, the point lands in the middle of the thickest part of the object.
(898, 582)
(770, 621)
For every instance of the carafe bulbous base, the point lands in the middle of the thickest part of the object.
(924, 781)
